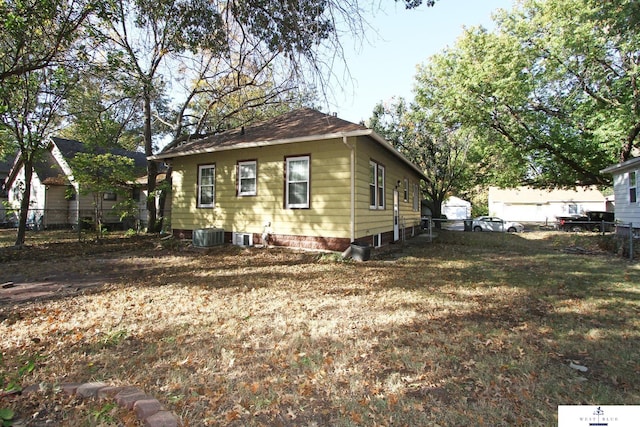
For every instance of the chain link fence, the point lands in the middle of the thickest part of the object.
(625, 236)
(83, 219)
(628, 240)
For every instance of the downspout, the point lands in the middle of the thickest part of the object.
(353, 189)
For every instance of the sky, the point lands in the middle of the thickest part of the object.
(385, 65)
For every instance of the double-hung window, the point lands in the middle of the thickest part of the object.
(206, 186)
(416, 199)
(376, 185)
(633, 187)
(247, 178)
(297, 182)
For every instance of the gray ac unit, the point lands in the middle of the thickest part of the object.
(205, 237)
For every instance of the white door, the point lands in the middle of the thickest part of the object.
(396, 215)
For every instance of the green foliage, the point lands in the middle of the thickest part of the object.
(6, 416)
(423, 134)
(10, 383)
(34, 33)
(290, 27)
(104, 413)
(114, 338)
(99, 115)
(100, 173)
(551, 93)
(479, 203)
(126, 208)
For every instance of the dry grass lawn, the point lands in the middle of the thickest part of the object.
(472, 329)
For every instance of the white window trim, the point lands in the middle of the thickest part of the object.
(633, 187)
(288, 181)
(255, 178)
(377, 203)
(213, 185)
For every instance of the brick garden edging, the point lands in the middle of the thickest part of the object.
(148, 409)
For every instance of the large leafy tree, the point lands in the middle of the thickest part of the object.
(29, 115)
(440, 148)
(35, 39)
(99, 116)
(553, 90)
(33, 33)
(138, 36)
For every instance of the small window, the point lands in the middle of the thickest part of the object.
(247, 178)
(633, 187)
(406, 190)
(416, 198)
(109, 196)
(135, 194)
(206, 186)
(376, 185)
(297, 182)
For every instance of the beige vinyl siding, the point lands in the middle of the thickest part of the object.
(329, 212)
(87, 208)
(56, 206)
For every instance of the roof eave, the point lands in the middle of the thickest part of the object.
(621, 166)
(398, 154)
(355, 133)
(261, 143)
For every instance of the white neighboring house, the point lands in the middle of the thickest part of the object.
(626, 177)
(5, 167)
(456, 208)
(526, 204)
(55, 200)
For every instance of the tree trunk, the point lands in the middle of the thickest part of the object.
(152, 167)
(435, 205)
(627, 146)
(24, 203)
(163, 197)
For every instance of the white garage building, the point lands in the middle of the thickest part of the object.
(527, 204)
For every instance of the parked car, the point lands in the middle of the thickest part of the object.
(591, 221)
(492, 223)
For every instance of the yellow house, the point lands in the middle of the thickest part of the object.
(303, 179)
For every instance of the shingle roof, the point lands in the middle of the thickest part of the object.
(69, 148)
(51, 173)
(297, 124)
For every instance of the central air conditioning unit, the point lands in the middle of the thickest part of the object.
(243, 239)
(206, 237)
